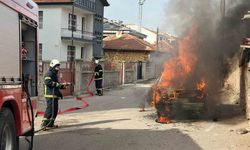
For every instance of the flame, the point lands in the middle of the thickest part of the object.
(176, 72)
(178, 68)
(163, 119)
(187, 47)
(201, 85)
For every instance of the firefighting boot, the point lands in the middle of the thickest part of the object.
(51, 124)
(101, 92)
(45, 123)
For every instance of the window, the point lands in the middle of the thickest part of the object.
(71, 53)
(82, 52)
(40, 51)
(83, 24)
(72, 22)
(40, 14)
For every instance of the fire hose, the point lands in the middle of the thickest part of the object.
(31, 119)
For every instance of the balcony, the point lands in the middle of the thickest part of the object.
(86, 4)
(79, 35)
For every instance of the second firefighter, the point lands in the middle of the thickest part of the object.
(98, 78)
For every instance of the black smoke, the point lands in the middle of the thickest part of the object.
(218, 36)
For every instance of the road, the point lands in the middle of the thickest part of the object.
(113, 122)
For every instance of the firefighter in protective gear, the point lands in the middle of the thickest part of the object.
(52, 93)
(98, 78)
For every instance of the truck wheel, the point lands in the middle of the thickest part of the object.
(7, 130)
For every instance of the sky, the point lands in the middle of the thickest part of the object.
(128, 12)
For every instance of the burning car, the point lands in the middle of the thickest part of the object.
(172, 102)
(178, 89)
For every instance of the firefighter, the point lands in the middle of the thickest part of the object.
(52, 93)
(98, 78)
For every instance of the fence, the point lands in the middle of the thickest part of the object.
(115, 73)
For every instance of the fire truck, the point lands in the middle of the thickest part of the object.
(18, 70)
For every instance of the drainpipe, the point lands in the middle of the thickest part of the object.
(72, 44)
(123, 72)
(72, 32)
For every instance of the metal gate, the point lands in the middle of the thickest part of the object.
(67, 74)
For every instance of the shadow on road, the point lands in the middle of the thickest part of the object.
(93, 123)
(115, 139)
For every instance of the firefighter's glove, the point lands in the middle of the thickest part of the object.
(58, 85)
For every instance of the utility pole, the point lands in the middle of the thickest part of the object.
(157, 39)
(141, 2)
(223, 8)
(72, 65)
(72, 31)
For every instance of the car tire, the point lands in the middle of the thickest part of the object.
(8, 139)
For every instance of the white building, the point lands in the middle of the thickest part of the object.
(58, 19)
(151, 35)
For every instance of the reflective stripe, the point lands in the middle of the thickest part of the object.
(100, 70)
(50, 96)
(46, 95)
(47, 78)
(45, 90)
(99, 79)
(10, 86)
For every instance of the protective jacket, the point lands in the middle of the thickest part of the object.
(51, 84)
(98, 72)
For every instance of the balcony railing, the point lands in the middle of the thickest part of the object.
(78, 34)
(86, 4)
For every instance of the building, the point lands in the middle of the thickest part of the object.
(70, 29)
(152, 35)
(112, 27)
(131, 52)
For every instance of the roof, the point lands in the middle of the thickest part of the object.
(145, 28)
(113, 26)
(104, 2)
(126, 42)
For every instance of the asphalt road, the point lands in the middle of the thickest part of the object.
(113, 122)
